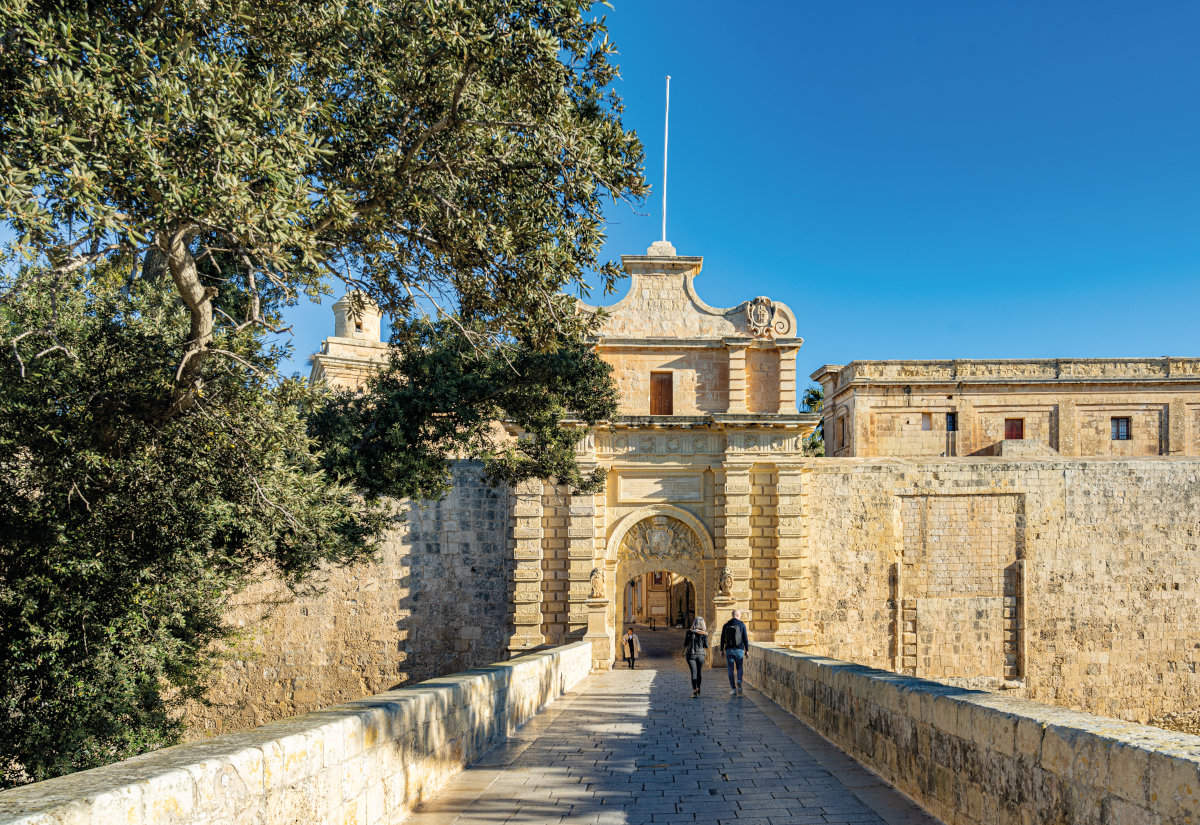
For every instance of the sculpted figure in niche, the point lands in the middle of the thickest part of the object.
(725, 583)
(597, 581)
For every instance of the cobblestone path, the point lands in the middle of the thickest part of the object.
(632, 747)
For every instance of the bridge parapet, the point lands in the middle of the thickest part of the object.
(369, 761)
(971, 757)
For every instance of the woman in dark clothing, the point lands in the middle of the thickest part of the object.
(695, 650)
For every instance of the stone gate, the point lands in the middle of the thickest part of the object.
(701, 466)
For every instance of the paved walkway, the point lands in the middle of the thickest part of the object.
(632, 747)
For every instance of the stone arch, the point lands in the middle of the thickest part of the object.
(642, 513)
(684, 547)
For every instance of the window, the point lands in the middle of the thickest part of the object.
(1120, 429)
(951, 422)
(926, 421)
(1014, 428)
(661, 394)
(839, 440)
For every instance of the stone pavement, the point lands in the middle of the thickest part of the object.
(632, 747)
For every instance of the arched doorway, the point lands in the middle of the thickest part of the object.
(660, 599)
(665, 540)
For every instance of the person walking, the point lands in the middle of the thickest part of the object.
(735, 644)
(631, 646)
(695, 651)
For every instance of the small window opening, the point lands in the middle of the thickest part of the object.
(1014, 429)
(1120, 429)
(951, 422)
(358, 326)
(926, 421)
(840, 434)
(661, 394)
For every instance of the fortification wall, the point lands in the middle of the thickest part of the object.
(970, 757)
(370, 761)
(436, 601)
(1077, 579)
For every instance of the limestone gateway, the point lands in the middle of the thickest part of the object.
(1020, 525)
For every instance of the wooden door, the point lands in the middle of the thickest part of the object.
(661, 392)
(1014, 428)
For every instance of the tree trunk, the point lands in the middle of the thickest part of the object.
(198, 299)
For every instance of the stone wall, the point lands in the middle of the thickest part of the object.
(368, 761)
(970, 757)
(936, 408)
(1076, 581)
(436, 601)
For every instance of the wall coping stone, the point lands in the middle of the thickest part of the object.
(368, 760)
(942, 744)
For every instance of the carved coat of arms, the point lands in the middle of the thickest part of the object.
(660, 537)
(760, 315)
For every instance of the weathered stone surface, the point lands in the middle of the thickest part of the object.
(366, 761)
(435, 602)
(971, 757)
(1066, 406)
(1077, 579)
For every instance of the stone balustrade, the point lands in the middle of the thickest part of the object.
(970, 757)
(367, 762)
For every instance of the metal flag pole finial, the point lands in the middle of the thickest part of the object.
(666, 129)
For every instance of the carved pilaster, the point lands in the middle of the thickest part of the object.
(581, 560)
(737, 535)
(738, 386)
(1068, 427)
(1177, 428)
(527, 567)
(787, 378)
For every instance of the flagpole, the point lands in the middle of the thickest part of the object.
(666, 128)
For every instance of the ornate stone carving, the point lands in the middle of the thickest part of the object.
(725, 582)
(760, 313)
(660, 537)
(597, 581)
(763, 320)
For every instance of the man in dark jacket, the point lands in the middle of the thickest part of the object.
(735, 644)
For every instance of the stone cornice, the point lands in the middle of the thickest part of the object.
(723, 421)
(1045, 371)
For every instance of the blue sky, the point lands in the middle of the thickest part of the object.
(922, 180)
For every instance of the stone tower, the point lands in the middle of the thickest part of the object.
(354, 351)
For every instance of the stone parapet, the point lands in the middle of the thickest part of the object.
(1010, 369)
(970, 757)
(369, 761)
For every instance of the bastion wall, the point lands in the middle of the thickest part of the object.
(435, 601)
(1077, 582)
(1069, 581)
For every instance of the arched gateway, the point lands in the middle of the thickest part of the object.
(703, 472)
(660, 537)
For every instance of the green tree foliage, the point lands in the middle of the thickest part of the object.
(173, 175)
(440, 395)
(121, 531)
(449, 154)
(814, 401)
